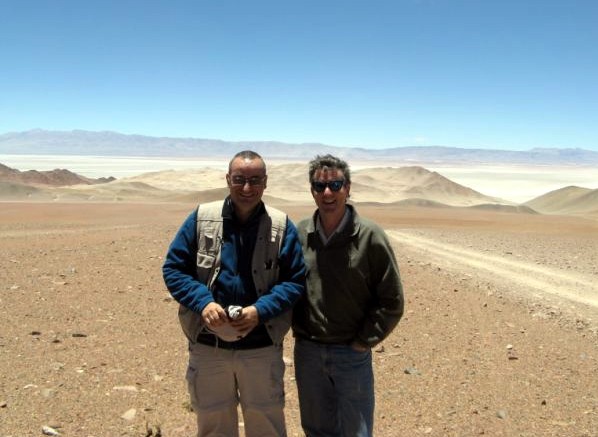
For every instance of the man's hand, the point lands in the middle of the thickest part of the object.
(248, 320)
(359, 347)
(213, 315)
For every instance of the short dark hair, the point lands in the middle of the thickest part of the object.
(329, 161)
(249, 155)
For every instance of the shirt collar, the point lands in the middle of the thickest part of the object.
(339, 228)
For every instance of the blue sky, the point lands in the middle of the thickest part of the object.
(508, 74)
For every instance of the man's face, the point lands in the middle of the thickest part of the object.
(246, 181)
(330, 202)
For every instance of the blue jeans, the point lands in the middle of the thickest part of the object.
(336, 390)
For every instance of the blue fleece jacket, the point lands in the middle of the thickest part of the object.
(234, 284)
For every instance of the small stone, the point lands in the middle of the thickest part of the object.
(411, 371)
(3, 404)
(501, 414)
(78, 335)
(380, 349)
(129, 414)
(48, 430)
(57, 366)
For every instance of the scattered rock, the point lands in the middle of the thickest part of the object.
(47, 392)
(501, 414)
(48, 430)
(411, 371)
(129, 414)
(57, 366)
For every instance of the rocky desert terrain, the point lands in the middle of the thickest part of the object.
(499, 337)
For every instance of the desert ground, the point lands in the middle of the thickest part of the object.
(499, 336)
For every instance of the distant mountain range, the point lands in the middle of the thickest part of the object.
(79, 142)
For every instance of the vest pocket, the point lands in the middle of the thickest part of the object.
(205, 262)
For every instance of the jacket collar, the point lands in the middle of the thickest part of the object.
(349, 230)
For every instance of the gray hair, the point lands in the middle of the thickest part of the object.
(329, 162)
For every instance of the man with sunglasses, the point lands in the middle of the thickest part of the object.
(236, 269)
(353, 300)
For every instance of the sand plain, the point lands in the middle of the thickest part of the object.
(499, 336)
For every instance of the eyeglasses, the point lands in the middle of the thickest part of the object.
(320, 187)
(253, 181)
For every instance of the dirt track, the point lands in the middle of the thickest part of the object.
(90, 333)
(527, 277)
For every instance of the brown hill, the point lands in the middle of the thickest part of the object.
(568, 201)
(56, 178)
(15, 191)
(116, 190)
(390, 184)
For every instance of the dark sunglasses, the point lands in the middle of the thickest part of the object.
(334, 186)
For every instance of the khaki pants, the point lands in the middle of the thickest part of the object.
(220, 379)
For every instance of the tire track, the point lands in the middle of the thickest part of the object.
(40, 232)
(574, 287)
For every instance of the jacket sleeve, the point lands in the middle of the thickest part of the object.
(179, 269)
(388, 301)
(291, 279)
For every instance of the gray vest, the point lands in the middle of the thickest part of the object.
(264, 263)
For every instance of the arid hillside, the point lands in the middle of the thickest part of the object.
(567, 200)
(285, 182)
(56, 178)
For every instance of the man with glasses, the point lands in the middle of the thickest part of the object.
(236, 269)
(353, 300)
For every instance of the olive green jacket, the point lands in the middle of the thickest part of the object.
(354, 290)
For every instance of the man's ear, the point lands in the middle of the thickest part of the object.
(265, 181)
(228, 180)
